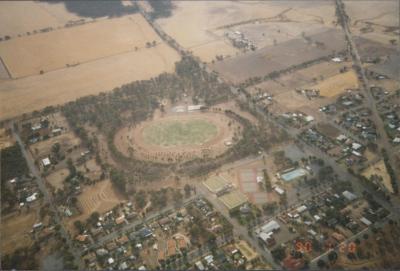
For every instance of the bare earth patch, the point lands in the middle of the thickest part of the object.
(15, 230)
(100, 197)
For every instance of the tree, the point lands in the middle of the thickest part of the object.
(279, 253)
(79, 226)
(188, 190)
(332, 256)
(321, 263)
(141, 199)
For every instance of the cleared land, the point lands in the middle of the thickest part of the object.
(200, 26)
(335, 85)
(75, 45)
(15, 230)
(56, 178)
(275, 58)
(379, 169)
(100, 197)
(61, 86)
(19, 17)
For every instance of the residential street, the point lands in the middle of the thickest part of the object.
(47, 198)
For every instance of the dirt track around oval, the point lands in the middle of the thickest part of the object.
(132, 138)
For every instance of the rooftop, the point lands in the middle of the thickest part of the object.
(233, 199)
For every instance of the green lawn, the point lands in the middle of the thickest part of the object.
(179, 133)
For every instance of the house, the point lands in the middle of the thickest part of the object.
(182, 244)
(271, 226)
(365, 221)
(338, 237)
(199, 265)
(267, 238)
(301, 209)
(171, 248)
(119, 220)
(349, 196)
(32, 197)
(164, 221)
(46, 162)
(145, 232)
(82, 238)
(123, 240)
(96, 231)
(279, 190)
(292, 263)
(111, 246)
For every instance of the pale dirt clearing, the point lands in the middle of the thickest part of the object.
(75, 45)
(100, 197)
(61, 86)
(337, 84)
(379, 169)
(19, 17)
(15, 230)
(56, 178)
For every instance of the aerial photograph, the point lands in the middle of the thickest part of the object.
(200, 135)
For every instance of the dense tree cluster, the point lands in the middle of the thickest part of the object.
(13, 165)
(136, 102)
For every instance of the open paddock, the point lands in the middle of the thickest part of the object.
(15, 230)
(58, 87)
(20, 17)
(72, 46)
(337, 84)
(202, 24)
(274, 58)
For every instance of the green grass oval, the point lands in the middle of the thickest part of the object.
(179, 133)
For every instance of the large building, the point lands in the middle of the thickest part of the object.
(233, 200)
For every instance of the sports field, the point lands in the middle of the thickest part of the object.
(179, 133)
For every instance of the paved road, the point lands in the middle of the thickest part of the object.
(131, 226)
(238, 229)
(383, 140)
(47, 197)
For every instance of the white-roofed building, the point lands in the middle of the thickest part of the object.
(301, 209)
(46, 162)
(279, 190)
(270, 227)
(365, 221)
(349, 196)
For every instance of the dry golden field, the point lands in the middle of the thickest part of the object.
(335, 85)
(19, 17)
(61, 86)
(15, 230)
(199, 26)
(71, 46)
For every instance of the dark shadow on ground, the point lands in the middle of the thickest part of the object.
(95, 9)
